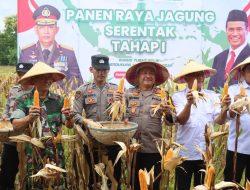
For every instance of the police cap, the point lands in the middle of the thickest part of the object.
(46, 15)
(23, 67)
(100, 62)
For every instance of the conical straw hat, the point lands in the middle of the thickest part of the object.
(39, 69)
(193, 67)
(237, 69)
(161, 76)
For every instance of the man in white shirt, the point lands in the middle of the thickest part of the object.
(193, 115)
(243, 148)
(239, 50)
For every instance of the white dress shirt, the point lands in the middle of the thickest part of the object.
(191, 134)
(244, 138)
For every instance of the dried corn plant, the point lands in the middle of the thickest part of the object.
(208, 155)
(126, 154)
(117, 109)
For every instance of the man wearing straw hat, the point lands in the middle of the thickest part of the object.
(145, 76)
(193, 114)
(236, 92)
(94, 98)
(236, 30)
(51, 114)
(9, 158)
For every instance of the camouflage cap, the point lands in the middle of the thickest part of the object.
(237, 15)
(46, 15)
(100, 62)
(23, 67)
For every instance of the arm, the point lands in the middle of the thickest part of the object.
(19, 120)
(221, 118)
(78, 107)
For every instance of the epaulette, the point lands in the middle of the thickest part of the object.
(67, 47)
(27, 46)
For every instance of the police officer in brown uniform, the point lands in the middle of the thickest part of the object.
(145, 76)
(95, 97)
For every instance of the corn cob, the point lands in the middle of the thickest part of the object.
(225, 90)
(66, 103)
(210, 177)
(142, 180)
(36, 100)
(195, 85)
(121, 86)
(168, 156)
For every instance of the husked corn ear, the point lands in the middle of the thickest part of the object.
(142, 180)
(210, 177)
(66, 103)
(163, 93)
(121, 85)
(225, 90)
(36, 101)
(195, 85)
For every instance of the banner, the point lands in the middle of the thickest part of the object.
(166, 31)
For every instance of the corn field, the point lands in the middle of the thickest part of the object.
(7, 79)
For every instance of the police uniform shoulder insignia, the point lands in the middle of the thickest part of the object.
(28, 46)
(66, 47)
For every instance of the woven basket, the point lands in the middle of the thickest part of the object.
(113, 131)
(6, 130)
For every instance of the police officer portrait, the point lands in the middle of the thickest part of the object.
(47, 49)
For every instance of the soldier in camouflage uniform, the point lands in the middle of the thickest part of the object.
(9, 162)
(46, 49)
(94, 98)
(52, 115)
(145, 76)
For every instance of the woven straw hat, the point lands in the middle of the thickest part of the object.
(193, 67)
(39, 69)
(237, 69)
(160, 77)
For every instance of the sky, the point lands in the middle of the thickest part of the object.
(7, 8)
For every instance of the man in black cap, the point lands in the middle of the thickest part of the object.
(94, 98)
(239, 50)
(47, 49)
(9, 162)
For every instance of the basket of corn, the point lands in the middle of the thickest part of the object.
(6, 130)
(106, 132)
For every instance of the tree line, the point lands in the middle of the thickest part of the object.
(8, 42)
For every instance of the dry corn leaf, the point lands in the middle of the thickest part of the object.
(49, 171)
(121, 152)
(99, 168)
(214, 135)
(82, 134)
(20, 138)
(37, 142)
(224, 184)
